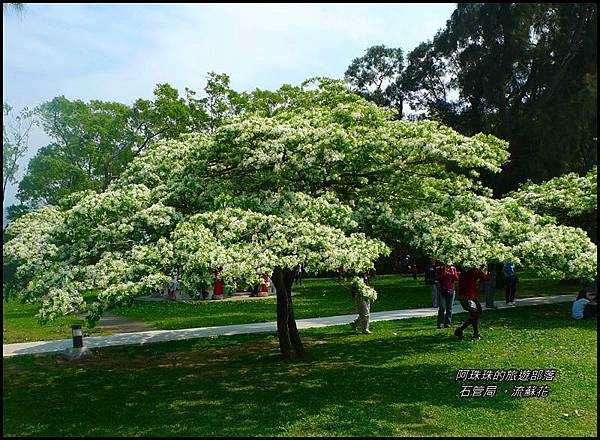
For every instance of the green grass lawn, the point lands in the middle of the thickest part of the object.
(19, 324)
(399, 381)
(318, 297)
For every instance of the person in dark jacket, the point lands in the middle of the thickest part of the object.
(511, 282)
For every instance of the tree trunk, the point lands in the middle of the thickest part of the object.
(290, 343)
(507, 23)
(400, 108)
(292, 328)
(285, 344)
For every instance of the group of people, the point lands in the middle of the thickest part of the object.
(442, 278)
(264, 287)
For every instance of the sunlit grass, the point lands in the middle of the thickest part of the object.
(399, 381)
(19, 324)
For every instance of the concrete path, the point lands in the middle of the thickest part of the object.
(148, 337)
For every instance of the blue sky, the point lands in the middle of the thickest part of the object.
(119, 52)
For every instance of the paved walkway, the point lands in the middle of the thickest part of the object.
(148, 337)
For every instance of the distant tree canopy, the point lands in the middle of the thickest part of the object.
(525, 72)
(15, 139)
(93, 142)
(376, 76)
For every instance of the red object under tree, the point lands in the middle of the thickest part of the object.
(218, 289)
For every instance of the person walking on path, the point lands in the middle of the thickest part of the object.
(430, 281)
(511, 282)
(490, 287)
(467, 292)
(446, 277)
(364, 295)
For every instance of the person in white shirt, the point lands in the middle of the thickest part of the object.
(583, 307)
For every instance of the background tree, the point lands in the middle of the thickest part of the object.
(525, 72)
(377, 75)
(428, 81)
(15, 140)
(93, 142)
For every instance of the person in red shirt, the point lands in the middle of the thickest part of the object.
(467, 293)
(341, 273)
(264, 291)
(446, 276)
(218, 289)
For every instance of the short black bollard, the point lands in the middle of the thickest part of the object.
(77, 336)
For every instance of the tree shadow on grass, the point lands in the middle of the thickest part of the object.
(348, 386)
(543, 316)
(397, 381)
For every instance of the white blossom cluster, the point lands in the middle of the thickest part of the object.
(246, 244)
(364, 291)
(570, 193)
(502, 230)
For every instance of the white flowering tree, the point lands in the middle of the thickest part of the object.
(323, 178)
(570, 198)
(485, 230)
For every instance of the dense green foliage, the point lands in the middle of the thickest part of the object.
(525, 72)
